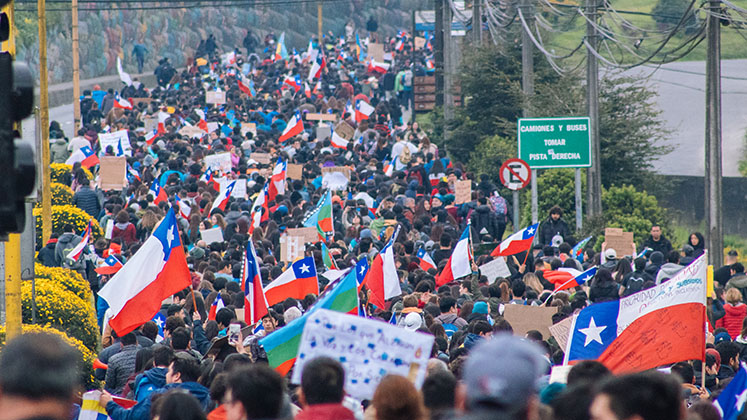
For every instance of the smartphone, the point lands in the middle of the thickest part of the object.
(233, 333)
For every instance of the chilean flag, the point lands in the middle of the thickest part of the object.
(518, 242)
(382, 278)
(363, 110)
(151, 136)
(120, 102)
(159, 195)
(162, 117)
(651, 328)
(156, 271)
(460, 262)
(294, 127)
(133, 173)
(294, 82)
(260, 210)
(389, 168)
(215, 307)
(307, 89)
(85, 156)
(296, 282)
(426, 262)
(246, 86)
(114, 248)
(337, 141)
(222, 199)
(567, 278)
(317, 66)
(110, 266)
(277, 180)
(255, 302)
(377, 67)
(184, 208)
(209, 179)
(76, 252)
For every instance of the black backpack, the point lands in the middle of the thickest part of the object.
(635, 284)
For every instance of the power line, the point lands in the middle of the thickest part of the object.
(188, 4)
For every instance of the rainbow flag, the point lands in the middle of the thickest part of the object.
(282, 345)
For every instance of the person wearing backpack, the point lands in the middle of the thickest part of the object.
(449, 317)
(633, 282)
(502, 210)
(66, 243)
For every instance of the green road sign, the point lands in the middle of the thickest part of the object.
(555, 142)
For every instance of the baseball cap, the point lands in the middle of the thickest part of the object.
(502, 373)
(610, 254)
(413, 321)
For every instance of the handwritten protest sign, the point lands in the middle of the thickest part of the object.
(561, 331)
(494, 269)
(335, 181)
(113, 173)
(368, 350)
(261, 158)
(239, 190)
(463, 192)
(292, 244)
(214, 97)
(621, 242)
(219, 162)
(376, 51)
(118, 139)
(525, 318)
(212, 235)
(294, 171)
(321, 117)
(344, 130)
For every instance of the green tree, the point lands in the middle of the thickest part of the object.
(667, 13)
(555, 187)
(634, 211)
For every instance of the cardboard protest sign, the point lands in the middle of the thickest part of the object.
(293, 243)
(248, 128)
(621, 242)
(335, 181)
(494, 269)
(136, 101)
(419, 42)
(525, 318)
(321, 117)
(219, 162)
(344, 130)
(261, 158)
(192, 131)
(342, 169)
(376, 51)
(368, 350)
(212, 235)
(112, 173)
(561, 331)
(118, 139)
(463, 192)
(294, 171)
(214, 97)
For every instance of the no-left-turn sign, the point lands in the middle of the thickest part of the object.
(515, 174)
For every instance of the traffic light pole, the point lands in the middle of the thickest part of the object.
(44, 109)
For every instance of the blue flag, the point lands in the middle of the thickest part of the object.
(732, 398)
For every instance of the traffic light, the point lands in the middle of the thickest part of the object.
(17, 170)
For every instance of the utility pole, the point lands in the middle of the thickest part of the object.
(438, 53)
(76, 71)
(476, 22)
(714, 226)
(318, 23)
(44, 109)
(594, 173)
(449, 46)
(527, 87)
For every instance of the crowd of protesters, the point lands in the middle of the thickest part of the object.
(478, 370)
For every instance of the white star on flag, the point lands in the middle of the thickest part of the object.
(304, 268)
(363, 269)
(170, 236)
(592, 332)
(158, 322)
(741, 399)
(530, 231)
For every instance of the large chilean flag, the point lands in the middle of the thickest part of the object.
(654, 327)
(255, 302)
(156, 271)
(382, 278)
(460, 262)
(296, 282)
(518, 242)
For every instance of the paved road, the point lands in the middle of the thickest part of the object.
(682, 101)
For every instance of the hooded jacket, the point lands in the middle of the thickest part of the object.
(149, 381)
(46, 254)
(550, 228)
(141, 410)
(58, 151)
(448, 318)
(732, 321)
(667, 271)
(325, 412)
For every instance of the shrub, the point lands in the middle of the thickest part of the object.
(62, 173)
(62, 309)
(87, 378)
(61, 194)
(634, 211)
(69, 279)
(65, 219)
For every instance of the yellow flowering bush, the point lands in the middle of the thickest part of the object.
(64, 218)
(61, 194)
(86, 373)
(69, 279)
(62, 309)
(62, 173)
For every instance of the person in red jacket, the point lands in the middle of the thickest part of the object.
(735, 312)
(123, 228)
(321, 395)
